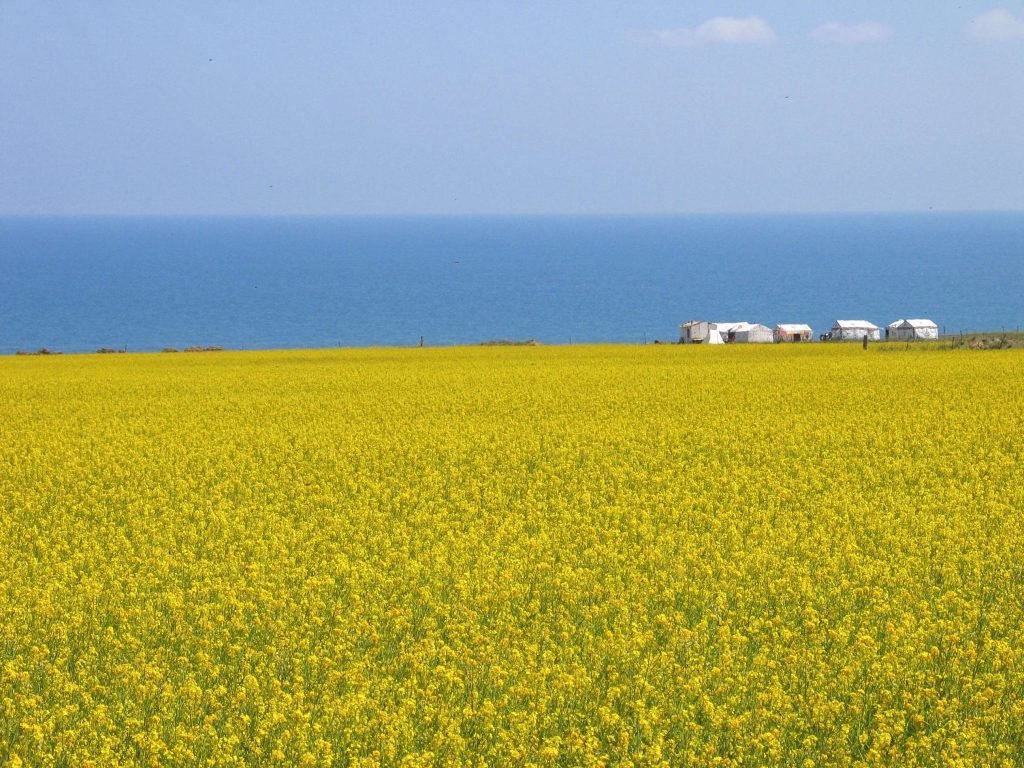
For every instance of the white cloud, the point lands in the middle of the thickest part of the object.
(997, 24)
(837, 32)
(720, 29)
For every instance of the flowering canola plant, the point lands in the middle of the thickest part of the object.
(647, 556)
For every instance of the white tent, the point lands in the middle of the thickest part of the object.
(726, 331)
(912, 330)
(751, 333)
(793, 332)
(854, 330)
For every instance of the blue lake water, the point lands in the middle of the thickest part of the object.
(77, 284)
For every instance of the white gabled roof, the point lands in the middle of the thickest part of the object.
(896, 323)
(793, 327)
(920, 323)
(854, 324)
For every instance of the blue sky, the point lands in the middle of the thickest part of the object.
(515, 107)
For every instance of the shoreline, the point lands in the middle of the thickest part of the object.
(966, 340)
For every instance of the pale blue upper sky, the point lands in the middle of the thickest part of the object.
(510, 106)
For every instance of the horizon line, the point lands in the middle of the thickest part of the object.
(499, 215)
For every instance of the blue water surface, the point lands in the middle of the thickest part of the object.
(77, 284)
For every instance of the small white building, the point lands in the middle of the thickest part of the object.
(793, 332)
(854, 330)
(698, 332)
(912, 330)
(750, 333)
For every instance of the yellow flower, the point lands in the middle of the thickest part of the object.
(512, 556)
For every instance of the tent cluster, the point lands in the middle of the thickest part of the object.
(898, 330)
(706, 332)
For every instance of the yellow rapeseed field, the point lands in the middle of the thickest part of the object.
(647, 556)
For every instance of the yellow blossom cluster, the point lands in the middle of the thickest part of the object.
(577, 556)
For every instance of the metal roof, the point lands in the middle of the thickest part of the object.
(854, 324)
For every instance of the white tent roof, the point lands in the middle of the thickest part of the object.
(793, 327)
(726, 327)
(854, 324)
(896, 323)
(920, 323)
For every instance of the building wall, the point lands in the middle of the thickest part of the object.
(914, 334)
(756, 336)
(694, 334)
(855, 334)
(781, 335)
